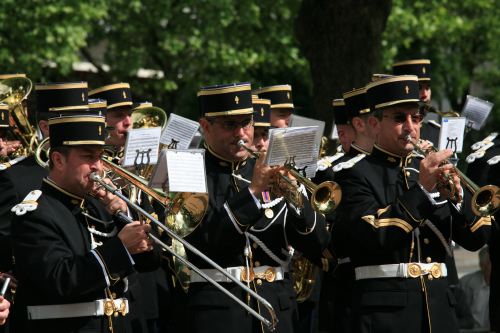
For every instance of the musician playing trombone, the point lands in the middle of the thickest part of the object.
(72, 276)
(402, 217)
(244, 228)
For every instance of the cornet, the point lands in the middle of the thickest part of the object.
(485, 200)
(325, 197)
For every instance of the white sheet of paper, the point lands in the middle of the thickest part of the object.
(140, 143)
(452, 130)
(179, 129)
(292, 142)
(334, 135)
(186, 170)
(476, 111)
(195, 143)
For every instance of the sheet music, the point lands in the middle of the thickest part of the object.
(297, 142)
(476, 111)
(195, 143)
(452, 133)
(142, 146)
(179, 129)
(159, 175)
(186, 170)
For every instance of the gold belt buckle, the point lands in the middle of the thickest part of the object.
(414, 270)
(245, 276)
(109, 308)
(436, 271)
(270, 274)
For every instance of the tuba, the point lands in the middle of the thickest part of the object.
(485, 200)
(12, 92)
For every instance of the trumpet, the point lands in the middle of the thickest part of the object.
(325, 197)
(485, 200)
(270, 324)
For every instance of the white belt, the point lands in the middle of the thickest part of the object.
(267, 273)
(345, 260)
(99, 307)
(404, 270)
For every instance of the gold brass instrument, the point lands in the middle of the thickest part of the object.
(325, 197)
(270, 324)
(485, 200)
(42, 153)
(185, 210)
(12, 92)
(146, 116)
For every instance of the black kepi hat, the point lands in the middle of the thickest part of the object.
(340, 111)
(419, 67)
(262, 111)
(77, 130)
(70, 95)
(225, 100)
(116, 95)
(356, 102)
(393, 91)
(279, 95)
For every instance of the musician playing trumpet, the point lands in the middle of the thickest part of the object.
(244, 229)
(402, 222)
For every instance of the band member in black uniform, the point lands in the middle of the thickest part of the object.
(68, 281)
(281, 103)
(400, 227)
(17, 180)
(244, 229)
(341, 275)
(149, 292)
(484, 169)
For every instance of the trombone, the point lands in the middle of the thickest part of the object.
(485, 200)
(325, 197)
(270, 324)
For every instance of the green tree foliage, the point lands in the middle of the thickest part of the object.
(462, 39)
(196, 43)
(36, 36)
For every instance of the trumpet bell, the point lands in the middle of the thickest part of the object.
(326, 197)
(186, 211)
(147, 117)
(486, 200)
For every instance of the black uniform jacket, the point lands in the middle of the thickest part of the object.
(482, 173)
(55, 262)
(15, 183)
(386, 210)
(338, 280)
(234, 224)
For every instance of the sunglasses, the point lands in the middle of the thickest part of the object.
(400, 118)
(230, 125)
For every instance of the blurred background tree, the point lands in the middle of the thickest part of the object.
(322, 48)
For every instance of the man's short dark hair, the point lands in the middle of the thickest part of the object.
(64, 150)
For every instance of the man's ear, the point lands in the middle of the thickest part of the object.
(358, 124)
(205, 125)
(58, 160)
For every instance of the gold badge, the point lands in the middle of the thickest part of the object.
(407, 89)
(236, 99)
(109, 308)
(247, 277)
(270, 275)
(3, 116)
(414, 270)
(423, 69)
(100, 130)
(436, 271)
(261, 112)
(269, 213)
(83, 97)
(124, 95)
(288, 95)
